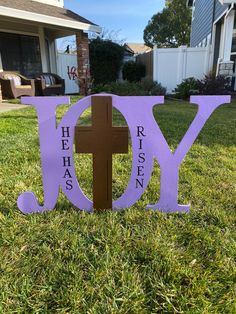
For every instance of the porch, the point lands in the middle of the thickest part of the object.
(28, 31)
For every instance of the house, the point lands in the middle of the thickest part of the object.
(28, 30)
(136, 52)
(128, 54)
(214, 24)
(138, 48)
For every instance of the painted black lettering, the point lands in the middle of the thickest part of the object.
(140, 130)
(140, 171)
(67, 174)
(69, 185)
(139, 183)
(141, 157)
(65, 131)
(66, 162)
(65, 144)
(140, 143)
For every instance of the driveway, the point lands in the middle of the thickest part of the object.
(4, 107)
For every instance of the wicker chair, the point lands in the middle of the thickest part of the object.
(48, 84)
(15, 85)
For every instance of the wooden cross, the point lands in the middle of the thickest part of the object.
(102, 140)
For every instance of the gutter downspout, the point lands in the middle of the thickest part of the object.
(230, 9)
(213, 20)
(226, 15)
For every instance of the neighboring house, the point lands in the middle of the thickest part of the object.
(133, 52)
(213, 24)
(28, 30)
(138, 48)
(129, 54)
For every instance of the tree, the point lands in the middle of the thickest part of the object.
(105, 60)
(112, 35)
(171, 27)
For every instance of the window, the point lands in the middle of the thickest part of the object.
(20, 53)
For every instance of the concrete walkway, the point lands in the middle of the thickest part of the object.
(4, 107)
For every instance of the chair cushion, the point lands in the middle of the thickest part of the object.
(14, 77)
(49, 79)
(53, 86)
(24, 87)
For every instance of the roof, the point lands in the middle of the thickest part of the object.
(29, 8)
(128, 49)
(138, 48)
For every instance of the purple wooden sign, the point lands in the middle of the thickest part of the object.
(148, 143)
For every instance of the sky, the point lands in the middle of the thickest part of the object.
(126, 19)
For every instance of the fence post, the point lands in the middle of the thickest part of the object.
(207, 61)
(181, 73)
(155, 63)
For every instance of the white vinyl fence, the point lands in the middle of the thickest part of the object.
(67, 69)
(172, 65)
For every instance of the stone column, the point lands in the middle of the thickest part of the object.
(226, 68)
(83, 63)
(181, 73)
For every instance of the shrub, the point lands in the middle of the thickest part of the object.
(133, 72)
(105, 60)
(126, 88)
(188, 87)
(121, 89)
(214, 85)
(152, 88)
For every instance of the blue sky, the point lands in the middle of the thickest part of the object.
(126, 18)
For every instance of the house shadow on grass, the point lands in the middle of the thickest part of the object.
(5, 116)
(4, 211)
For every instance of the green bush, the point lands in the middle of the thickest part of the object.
(105, 60)
(152, 88)
(188, 87)
(133, 72)
(121, 89)
(209, 85)
(214, 85)
(143, 88)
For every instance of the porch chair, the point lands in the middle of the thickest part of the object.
(15, 85)
(48, 84)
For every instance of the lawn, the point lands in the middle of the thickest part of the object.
(133, 261)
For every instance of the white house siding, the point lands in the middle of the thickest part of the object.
(205, 13)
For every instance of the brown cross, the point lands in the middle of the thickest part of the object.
(102, 140)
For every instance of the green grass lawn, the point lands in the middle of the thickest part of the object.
(134, 261)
